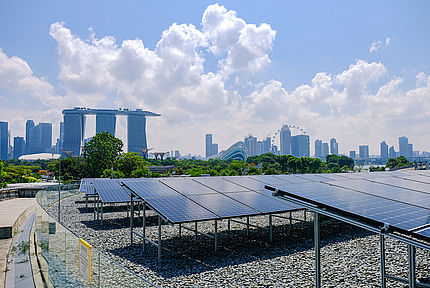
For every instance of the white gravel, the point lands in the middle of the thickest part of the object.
(349, 256)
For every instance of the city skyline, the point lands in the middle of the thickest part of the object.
(229, 69)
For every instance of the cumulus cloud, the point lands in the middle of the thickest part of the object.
(353, 105)
(376, 45)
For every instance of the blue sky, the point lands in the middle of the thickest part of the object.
(277, 85)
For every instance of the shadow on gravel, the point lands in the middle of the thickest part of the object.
(184, 256)
(119, 223)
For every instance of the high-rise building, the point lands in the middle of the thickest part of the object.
(363, 152)
(28, 125)
(40, 138)
(352, 154)
(334, 147)
(18, 147)
(259, 147)
(136, 133)
(285, 140)
(275, 150)
(384, 150)
(214, 149)
(106, 122)
(251, 145)
(325, 150)
(318, 148)
(405, 148)
(4, 137)
(267, 145)
(300, 146)
(392, 152)
(208, 142)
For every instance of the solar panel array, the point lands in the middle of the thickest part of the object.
(181, 200)
(399, 199)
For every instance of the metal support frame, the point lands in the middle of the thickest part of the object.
(216, 236)
(180, 230)
(159, 239)
(270, 229)
(382, 252)
(131, 218)
(195, 231)
(412, 244)
(198, 232)
(228, 224)
(247, 225)
(143, 226)
(411, 262)
(317, 242)
(101, 213)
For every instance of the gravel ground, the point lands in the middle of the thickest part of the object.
(349, 256)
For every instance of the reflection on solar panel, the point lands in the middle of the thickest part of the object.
(418, 178)
(292, 178)
(110, 191)
(313, 177)
(145, 189)
(334, 177)
(404, 183)
(223, 206)
(187, 186)
(260, 202)
(219, 184)
(179, 209)
(273, 179)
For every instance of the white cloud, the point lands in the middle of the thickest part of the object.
(387, 42)
(353, 105)
(376, 45)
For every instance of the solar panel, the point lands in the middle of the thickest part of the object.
(145, 189)
(223, 206)
(405, 183)
(293, 178)
(312, 177)
(260, 202)
(248, 182)
(110, 191)
(272, 179)
(82, 187)
(219, 184)
(389, 192)
(187, 186)
(179, 209)
(397, 214)
(334, 177)
(424, 232)
(418, 178)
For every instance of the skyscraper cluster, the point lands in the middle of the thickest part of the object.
(322, 149)
(255, 147)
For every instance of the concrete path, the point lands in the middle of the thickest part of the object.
(12, 213)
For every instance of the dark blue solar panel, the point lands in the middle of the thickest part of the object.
(418, 178)
(248, 182)
(424, 232)
(386, 191)
(187, 186)
(82, 187)
(145, 189)
(401, 215)
(334, 177)
(404, 183)
(219, 184)
(110, 191)
(179, 209)
(260, 202)
(272, 179)
(223, 206)
(312, 177)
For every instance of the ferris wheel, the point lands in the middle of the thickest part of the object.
(295, 130)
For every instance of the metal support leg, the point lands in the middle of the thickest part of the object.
(94, 210)
(98, 208)
(382, 251)
(216, 235)
(247, 225)
(131, 220)
(304, 214)
(159, 238)
(228, 224)
(86, 201)
(317, 251)
(127, 209)
(101, 214)
(195, 231)
(138, 210)
(270, 228)
(180, 230)
(143, 226)
(411, 258)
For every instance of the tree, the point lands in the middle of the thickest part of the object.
(101, 152)
(128, 162)
(3, 183)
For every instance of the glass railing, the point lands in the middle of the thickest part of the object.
(59, 250)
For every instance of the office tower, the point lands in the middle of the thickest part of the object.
(300, 146)
(136, 133)
(325, 150)
(105, 122)
(405, 148)
(4, 147)
(28, 125)
(363, 152)
(392, 152)
(208, 138)
(177, 154)
(275, 150)
(285, 140)
(74, 125)
(59, 144)
(251, 145)
(267, 145)
(40, 138)
(334, 147)
(384, 150)
(259, 147)
(352, 154)
(214, 149)
(318, 148)
(18, 147)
